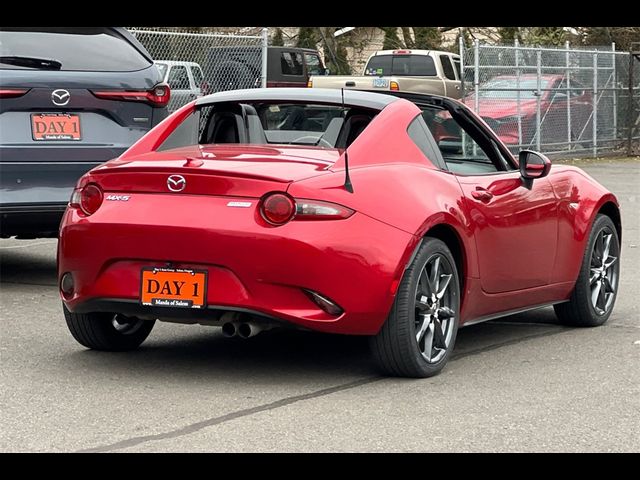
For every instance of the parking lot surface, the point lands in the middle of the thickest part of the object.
(523, 383)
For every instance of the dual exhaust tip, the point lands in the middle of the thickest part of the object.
(243, 330)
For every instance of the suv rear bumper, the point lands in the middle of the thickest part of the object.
(31, 220)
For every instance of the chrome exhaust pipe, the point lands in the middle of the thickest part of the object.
(229, 329)
(251, 329)
(230, 325)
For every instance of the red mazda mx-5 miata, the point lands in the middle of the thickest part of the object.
(334, 211)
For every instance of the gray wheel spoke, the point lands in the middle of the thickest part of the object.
(595, 274)
(608, 287)
(606, 239)
(434, 281)
(595, 293)
(423, 327)
(444, 284)
(602, 300)
(609, 262)
(428, 342)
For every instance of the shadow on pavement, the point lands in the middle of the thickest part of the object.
(26, 266)
(285, 355)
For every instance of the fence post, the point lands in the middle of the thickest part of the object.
(615, 90)
(265, 50)
(476, 83)
(567, 75)
(461, 50)
(516, 46)
(538, 97)
(631, 103)
(595, 105)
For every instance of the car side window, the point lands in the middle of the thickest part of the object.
(456, 62)
(291, 63)
(197, 76)
(419, 133)
(313, 64)
(465, 149)
(178, 78)
(447, 68)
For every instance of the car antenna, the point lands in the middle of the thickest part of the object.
(347, 180)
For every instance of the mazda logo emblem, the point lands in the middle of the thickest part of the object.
(176, 183)
(60, 97)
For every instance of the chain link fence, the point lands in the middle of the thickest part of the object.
(196, 64)
(562, 101)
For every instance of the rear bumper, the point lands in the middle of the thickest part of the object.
(134, 308)
(31, 220)
(354, 262)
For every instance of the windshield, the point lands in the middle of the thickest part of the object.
(508, 88)
(262, 123)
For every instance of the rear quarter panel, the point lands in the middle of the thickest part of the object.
(580, 198)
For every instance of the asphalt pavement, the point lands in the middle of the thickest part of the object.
(523, 383)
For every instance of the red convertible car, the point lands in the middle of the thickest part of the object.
(336, 212)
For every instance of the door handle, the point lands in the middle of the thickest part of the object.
(482, 194)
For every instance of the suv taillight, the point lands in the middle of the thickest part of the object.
(158, 96)
(12, 92)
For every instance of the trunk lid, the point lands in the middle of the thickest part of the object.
(229, 170)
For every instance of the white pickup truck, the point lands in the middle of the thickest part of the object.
(420, 71)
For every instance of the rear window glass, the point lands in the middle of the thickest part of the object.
(405, 65)
(88, 49)
(291, 63)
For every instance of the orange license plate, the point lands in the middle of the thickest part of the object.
(173, 287)
(55, 126)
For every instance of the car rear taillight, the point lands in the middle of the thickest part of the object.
(393, 86)
(316, 210)
(402, 52)
(158, 96)
(278, 208)
(12, 92)
(88, 198)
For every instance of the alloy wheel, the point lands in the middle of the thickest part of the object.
(603, 276)
(434, 308)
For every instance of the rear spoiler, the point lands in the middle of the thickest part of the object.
(129, 37)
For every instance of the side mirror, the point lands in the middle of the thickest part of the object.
(533, 165)
(327, 71)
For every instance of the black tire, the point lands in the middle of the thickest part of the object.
(580, 310)
(395, 349)
(97, 330)
(233, 75)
